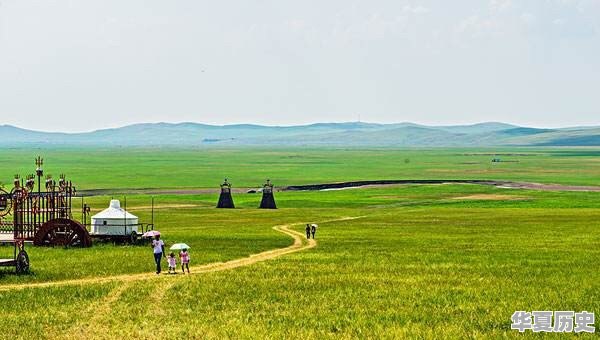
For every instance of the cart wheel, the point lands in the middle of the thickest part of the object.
(22, 263)
(133, 237)
(62, 232)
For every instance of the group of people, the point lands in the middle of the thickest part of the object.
(311, 229)
(159, 252)
(158, 246)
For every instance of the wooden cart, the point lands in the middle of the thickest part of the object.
(9, 235)
(41, 213)
(20, 260)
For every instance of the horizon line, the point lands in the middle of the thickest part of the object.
(294, 125)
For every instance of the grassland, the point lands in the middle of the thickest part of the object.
(206, 168)
(436, 261)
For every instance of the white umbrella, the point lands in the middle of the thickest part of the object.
(179, 246)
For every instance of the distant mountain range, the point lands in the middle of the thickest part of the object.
(355, 134)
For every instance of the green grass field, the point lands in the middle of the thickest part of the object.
(418, 261)
(206, 168)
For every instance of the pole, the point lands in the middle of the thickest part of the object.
(125, 216)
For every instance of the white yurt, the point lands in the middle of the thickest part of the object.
(114, 221)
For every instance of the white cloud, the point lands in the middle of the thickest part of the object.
(477, 26)
(415, 9)
(500, 5)
(559, 21)
(528, 18)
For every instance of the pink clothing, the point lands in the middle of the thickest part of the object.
(172, 261)
(185, 257)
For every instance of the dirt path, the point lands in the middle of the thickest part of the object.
(499, 184)
(548, 187)
(86, 328)
(355, 184)
(163, 206)
(300, 243)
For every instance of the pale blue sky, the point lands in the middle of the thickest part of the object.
(83, 65)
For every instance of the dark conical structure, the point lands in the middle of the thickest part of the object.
(268, 200)
(225, 199)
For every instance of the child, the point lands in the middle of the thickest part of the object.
(307, 231)
(184, 256)
(172, 263)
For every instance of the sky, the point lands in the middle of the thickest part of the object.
(79, 65)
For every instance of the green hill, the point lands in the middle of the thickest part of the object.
(352, 134)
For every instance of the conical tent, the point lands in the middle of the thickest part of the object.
(114, 221)
(225, 199)
(268, 200)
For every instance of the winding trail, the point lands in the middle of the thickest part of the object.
(300, 243)
(495, 183)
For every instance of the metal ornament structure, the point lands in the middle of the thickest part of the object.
(268, 200)
(42, 214)
(5, 203)
(225, 199)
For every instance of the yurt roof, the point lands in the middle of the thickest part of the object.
(114, 211)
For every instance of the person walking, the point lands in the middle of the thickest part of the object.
(184, 257)
(313, 230)
(159, 252)
(172, 263)
(307, 231)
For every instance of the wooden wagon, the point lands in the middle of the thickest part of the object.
(41, 214)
